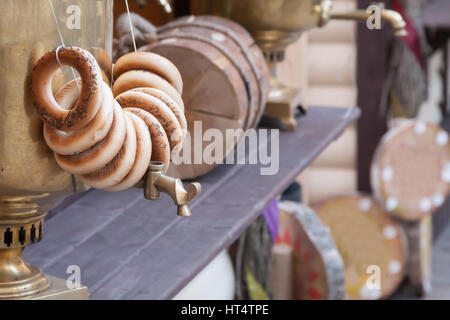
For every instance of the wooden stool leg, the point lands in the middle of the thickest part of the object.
(446, 105)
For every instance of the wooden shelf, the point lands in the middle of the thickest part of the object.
(131, 248)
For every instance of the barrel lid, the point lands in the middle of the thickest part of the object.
(410, 172)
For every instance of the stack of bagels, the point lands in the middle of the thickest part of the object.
(108, 137)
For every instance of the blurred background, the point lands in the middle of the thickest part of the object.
(359, 208)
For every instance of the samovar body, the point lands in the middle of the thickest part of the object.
(31, 182)
(275, 24)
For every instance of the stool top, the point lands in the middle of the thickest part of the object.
(410, 172)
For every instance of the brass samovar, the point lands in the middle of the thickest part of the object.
(31, 182)
(275, 24)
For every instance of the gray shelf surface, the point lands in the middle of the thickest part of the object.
(131, 248)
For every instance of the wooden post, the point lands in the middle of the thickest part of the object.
(371, 75)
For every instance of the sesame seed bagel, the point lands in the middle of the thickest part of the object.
(116, 170)
(160, 142)
(176, 109)
(147, 61)
(140, 100)
(143, 154)
(138, 79)
(72, 142)
(91, 95)
(100, 154)
(109, 136)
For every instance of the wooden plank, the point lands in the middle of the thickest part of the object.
(76, 223)
(65, 203)
(138, 249)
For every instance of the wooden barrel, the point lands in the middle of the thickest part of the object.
(225, 79)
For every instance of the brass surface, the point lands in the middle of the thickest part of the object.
(283, 107)
(156, 182)
(18, 279)
(165, 4)
(58, 291)
(273, 24)
(393, 17)
(31, 183)
(283, 101)
(276, 24)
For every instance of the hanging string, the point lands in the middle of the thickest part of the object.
(131, 25)
(62, 42)
(56, 22)
(57, 54)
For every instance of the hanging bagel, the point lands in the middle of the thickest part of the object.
(90, 97)
(160, 142)
(101, 153)
(119, 167)
(141, 100)
(147, 61)
(109, 142)
(143, 155)
(137, 78)
(72, 142)
(147, 81)
(164, 97)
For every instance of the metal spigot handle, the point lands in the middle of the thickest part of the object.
(193, 190)
(154, 171)
(184, 211)
(393, 17)
(156, 182)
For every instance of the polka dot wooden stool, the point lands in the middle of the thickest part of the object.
(410, 176)
(410, 172)
(370, 242)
